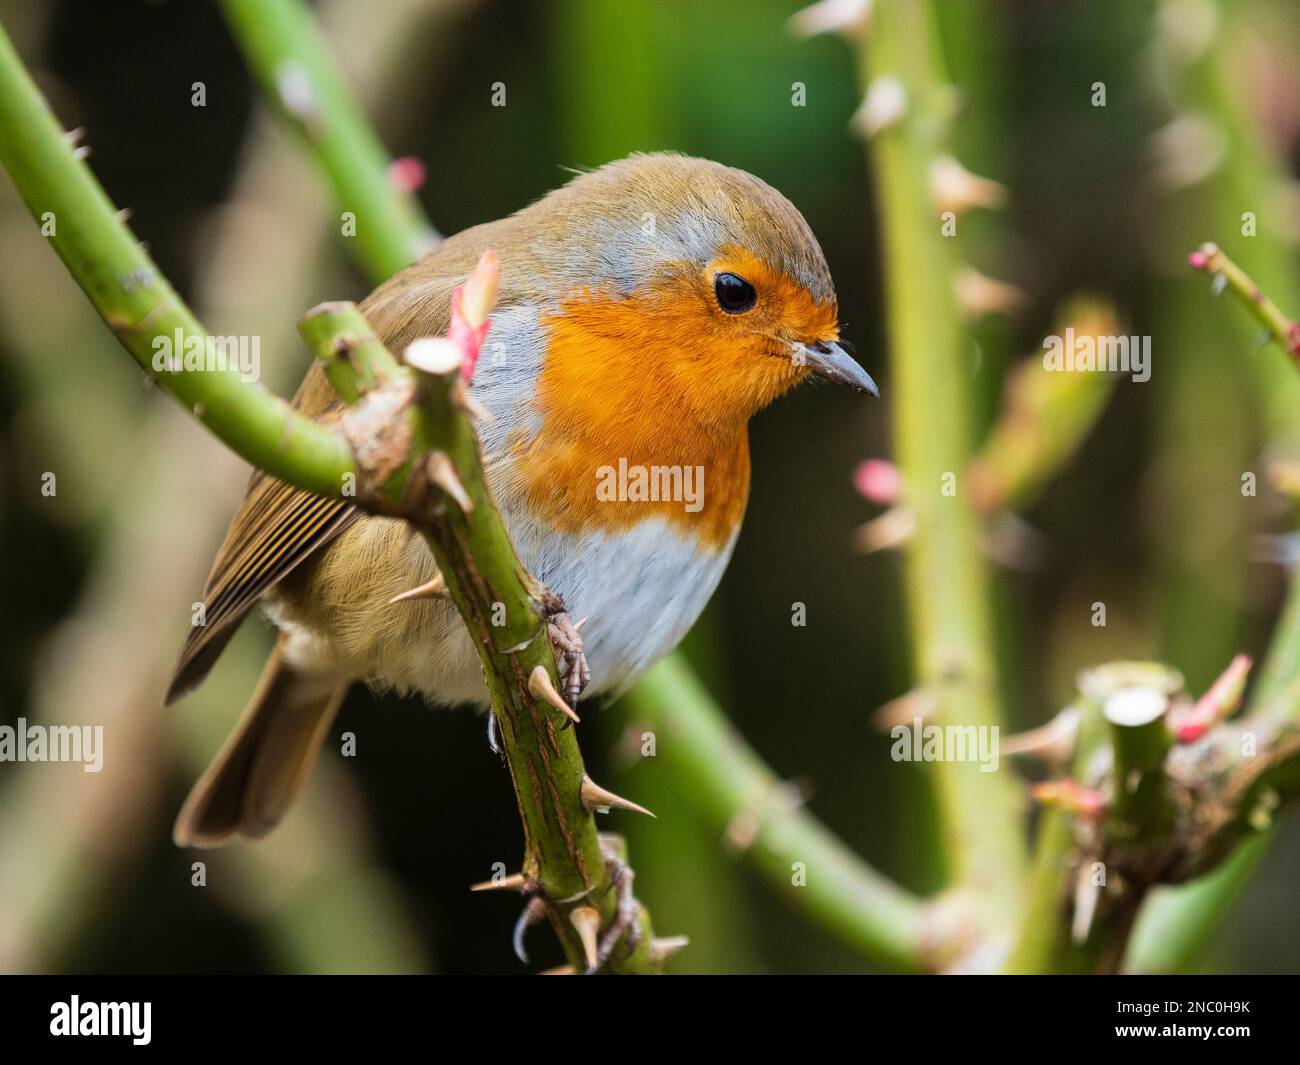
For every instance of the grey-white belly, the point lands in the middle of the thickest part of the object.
(640, 591)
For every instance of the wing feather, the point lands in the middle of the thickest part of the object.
(277, 527)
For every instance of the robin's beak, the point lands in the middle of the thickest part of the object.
(831, 362)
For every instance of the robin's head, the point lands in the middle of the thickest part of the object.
(690, 284)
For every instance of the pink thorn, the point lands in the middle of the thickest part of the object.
(1190, 731)
(1069, 794)
(878, 481)
(471, 304)
(406, 174)
(1217, 704)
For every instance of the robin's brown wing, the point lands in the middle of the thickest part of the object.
(277, 526)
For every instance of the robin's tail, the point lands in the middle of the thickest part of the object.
(254, 779)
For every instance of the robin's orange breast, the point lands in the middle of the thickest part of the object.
(626, 409)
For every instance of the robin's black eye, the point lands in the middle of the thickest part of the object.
(735, 294)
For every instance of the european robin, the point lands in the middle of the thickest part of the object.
(647, 311)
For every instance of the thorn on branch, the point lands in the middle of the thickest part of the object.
(1069, 795)
(666, 946)
(1216, 705)
(978, 294)
(406, 174)
(514, 882)
(1053, 743)
(440, 471)
(1209, 258)
(540, 687)
(885, 105)
(954, 188)
(847, 17)
(596, 799)
(434, 589)
(586, 922)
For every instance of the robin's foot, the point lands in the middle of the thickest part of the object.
(624, 926)
(569, 658)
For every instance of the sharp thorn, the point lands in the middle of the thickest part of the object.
(978, 295)
(540, 687)
(505, 883)
(443, 474)
(586, 921)
(578, 624)
(889, 530)
(596, 799)
(434, 589)
(667, 946)
(1052, 743)
(885, 105)
(956, 189)
(848, 17)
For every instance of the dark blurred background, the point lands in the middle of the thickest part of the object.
(371, 872)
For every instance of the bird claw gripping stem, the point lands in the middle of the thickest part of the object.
(625, 924)
(624, 928)
(571, 663)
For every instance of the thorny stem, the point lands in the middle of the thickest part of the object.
(947, 582)
(138, 304)
(1211, 259)
(495, 595)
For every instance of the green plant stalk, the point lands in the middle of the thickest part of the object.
(727, 780)
(500, 603)
(1213, 260)
(1045, 944)
(300, 78)
(946, 581)
(1175, 921)
(138, 304)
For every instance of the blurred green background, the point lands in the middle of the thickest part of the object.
(1201, 123)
